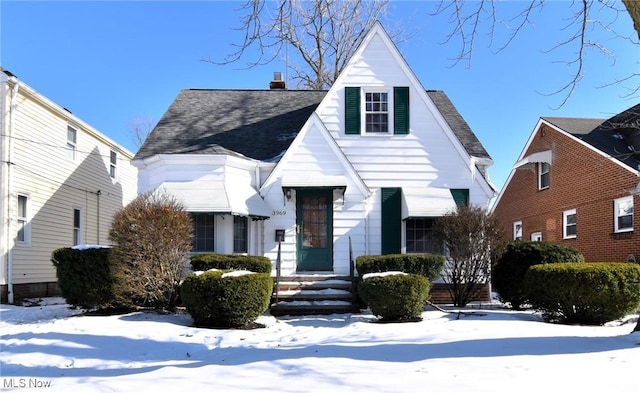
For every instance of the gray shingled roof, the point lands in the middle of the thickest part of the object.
(613, 136)
(259, 124)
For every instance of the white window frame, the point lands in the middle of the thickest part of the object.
(566, 225)
(113, 164)
(72, 145)
(390, 105)
(517, 225)
(536, 236)
(23, 221)
(617, 205)
(77, 229)
(541, 165)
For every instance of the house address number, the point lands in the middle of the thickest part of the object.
(278, 212)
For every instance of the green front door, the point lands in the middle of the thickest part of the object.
(314, 228)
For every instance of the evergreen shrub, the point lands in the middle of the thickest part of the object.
(396, 297)
(509, 270)
(226, 302)
(84, 276)
(203, 262)
(426, 265)
(584, 293)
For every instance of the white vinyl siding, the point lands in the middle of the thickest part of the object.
(55, 185)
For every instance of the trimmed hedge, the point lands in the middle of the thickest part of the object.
(258, 264)
(585, 293)
(84, 276)
(509, 271)
(426, 265)
(226, 302)
(398, 297)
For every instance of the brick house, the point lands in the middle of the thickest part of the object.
(576, 183)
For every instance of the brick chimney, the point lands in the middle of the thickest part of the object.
(277, 83)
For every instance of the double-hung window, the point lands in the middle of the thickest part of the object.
(376, 112)
(543, 175)
(22, 233)
(569, 224)
(203, 235)
(623, 214)
(240, 231)
(72, 140)
(77, 227)
(420, 236)
(517, 230)
(113, 164)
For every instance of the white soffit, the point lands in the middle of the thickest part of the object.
(529, 161)
(314, 181)
(426, 202)
(207, 196)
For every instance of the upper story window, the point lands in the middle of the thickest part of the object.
(113, 162)
(543, 175)
(376, 112)
(517, 230)
(623, 214)
(72, 138)
(569, 224)
(22, 233)
(380, 110)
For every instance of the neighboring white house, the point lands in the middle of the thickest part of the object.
(374, 159)
(61, 181)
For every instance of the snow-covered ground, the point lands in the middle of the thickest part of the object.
(492, 350)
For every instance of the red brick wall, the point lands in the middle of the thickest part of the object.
(580, 179)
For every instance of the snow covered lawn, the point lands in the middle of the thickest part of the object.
(492, 351)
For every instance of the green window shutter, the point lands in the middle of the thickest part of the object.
(352, 110)
(400, 110)
(460, 195)
(391, 220)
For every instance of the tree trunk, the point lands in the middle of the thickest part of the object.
(633, 7)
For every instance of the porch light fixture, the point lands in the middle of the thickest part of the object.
(635, 190)
(288, 194)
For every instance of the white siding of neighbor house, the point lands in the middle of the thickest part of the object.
(56, 185)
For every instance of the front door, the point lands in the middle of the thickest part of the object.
(314, 228)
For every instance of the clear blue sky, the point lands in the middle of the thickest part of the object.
(111, 62)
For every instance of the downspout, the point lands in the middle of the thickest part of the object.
(98, 217)
(12, 108)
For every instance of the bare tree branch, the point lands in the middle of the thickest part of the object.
(323, 35)
(467, 19)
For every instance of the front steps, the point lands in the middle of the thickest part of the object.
(313, 294)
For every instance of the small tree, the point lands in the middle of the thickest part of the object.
(472, 238)
(153, 235)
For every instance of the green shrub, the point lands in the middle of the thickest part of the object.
(84, 276)
(509, 271)
(258, 264)
(586, 293)
(226, 302)
(426, 265)
(398, 297)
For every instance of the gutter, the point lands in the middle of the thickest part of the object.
(12, 109)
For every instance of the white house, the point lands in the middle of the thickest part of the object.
(61, 181)
(371, 162)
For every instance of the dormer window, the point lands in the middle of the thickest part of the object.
(381, 111)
